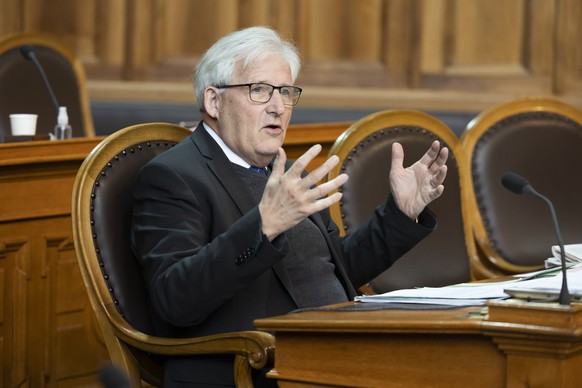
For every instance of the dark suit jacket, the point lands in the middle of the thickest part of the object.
(197, 233)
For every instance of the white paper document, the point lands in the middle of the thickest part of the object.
(478, 293)
(572, 253)
(548, 287)
(465, 294)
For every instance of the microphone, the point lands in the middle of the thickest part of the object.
(519, 185)
(28, 53)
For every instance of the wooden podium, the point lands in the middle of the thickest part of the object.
(48, 334)
(508, 344)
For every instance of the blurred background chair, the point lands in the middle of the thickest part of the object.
(365, 152)
(541, 140)
(22, 89)
(101, 216)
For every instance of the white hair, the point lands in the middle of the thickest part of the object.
(218, 64)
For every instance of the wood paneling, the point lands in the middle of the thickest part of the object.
(356, 43)
(48, 334)
(568, 58)
(169, 36)
(94, 29)
(10, 16)
(429, 50)
(487, 46)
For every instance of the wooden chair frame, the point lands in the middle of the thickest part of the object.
(361, 129)
(124, 343)
(387, 121)
(485, 261)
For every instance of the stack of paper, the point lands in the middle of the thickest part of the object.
(465, 294)
(478, 293)
(573, 253)
(548, 287)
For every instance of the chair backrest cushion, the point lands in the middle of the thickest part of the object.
(111, 223)
(545, 148)
(438, 260)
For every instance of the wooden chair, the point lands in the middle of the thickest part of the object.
(22, 89)
(101, 215)
(540, 139)
(365, 153)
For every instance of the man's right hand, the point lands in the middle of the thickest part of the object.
(289, 198)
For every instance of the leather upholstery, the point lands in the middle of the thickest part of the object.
(441, 258)
(111, 215)
(545, 148)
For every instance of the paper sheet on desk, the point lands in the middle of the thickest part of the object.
(476, 294)
(572, 254)
(574, 277)
(465, 294)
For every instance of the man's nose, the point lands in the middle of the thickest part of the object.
(276, 104)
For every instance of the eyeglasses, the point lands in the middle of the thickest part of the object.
(261, 92)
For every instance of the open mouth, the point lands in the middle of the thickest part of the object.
(274, 128)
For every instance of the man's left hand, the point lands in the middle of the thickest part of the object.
(416, 186)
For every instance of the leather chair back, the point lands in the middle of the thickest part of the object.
(539, 139)
(365, 155)
(102, 213)
(22, 89)
(111, 215)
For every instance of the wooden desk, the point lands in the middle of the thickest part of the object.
(514, 345)
(48, 335)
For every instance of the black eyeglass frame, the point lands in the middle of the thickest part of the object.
(297, 90)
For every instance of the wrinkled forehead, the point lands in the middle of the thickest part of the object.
(262, 68)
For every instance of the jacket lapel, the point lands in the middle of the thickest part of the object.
(219, 164)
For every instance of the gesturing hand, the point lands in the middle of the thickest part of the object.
(289, 198)
(416, 186)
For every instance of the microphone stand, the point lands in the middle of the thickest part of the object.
(519, 185)
(28, 52)
(564, 298)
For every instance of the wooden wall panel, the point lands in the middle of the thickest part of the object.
(445, 52)
(484, 46)
(15, 268)
(400, 46)
(47, 326)
(94, 29)
(104, 46)
(10, 16)
(568, 75)
(169, 36)
(356, 43)
(72, 344)
(489, 37)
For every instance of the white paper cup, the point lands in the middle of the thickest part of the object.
(23, 124)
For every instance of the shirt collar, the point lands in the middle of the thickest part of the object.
(234, 158)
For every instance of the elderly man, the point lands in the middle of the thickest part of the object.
(228, 231)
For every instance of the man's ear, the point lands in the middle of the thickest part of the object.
(211, 101)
